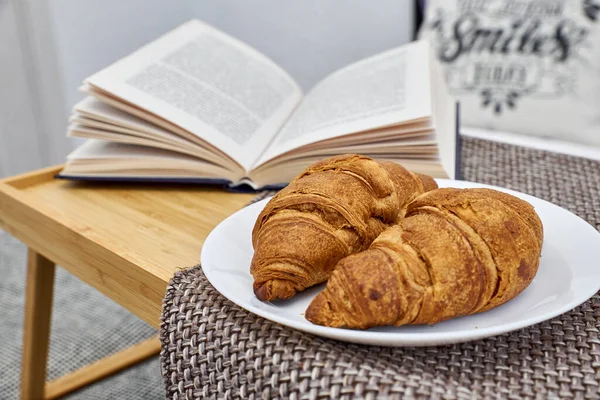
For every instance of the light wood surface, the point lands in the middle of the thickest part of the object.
(36, 329)
(31, 178)
(102, 368)
(126, 241)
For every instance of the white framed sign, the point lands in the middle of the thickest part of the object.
(527, 66)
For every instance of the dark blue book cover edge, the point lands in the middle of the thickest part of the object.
(458, 158)
(221, 183)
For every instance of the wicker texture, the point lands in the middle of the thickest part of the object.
(212, 348)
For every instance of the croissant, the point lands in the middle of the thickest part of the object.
(334, 208)
(457, 252)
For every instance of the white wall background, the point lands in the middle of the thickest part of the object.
(18, 122)
(308, 38)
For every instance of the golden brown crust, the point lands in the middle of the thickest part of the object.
(428, 182)
(457, 252)
(335, 208)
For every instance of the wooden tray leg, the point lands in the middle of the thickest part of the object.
(36, 329)
(36, 339)
(102, 368)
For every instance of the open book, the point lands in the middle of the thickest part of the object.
(198, 105)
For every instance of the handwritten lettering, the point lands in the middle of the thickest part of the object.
(473, 5)
(525, 37)
(551, 8)
(499, 74)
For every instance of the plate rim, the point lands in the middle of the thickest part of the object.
(401, 339)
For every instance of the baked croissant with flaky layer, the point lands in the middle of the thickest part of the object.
(457, 252)
(334, 208)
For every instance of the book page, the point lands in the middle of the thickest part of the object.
(94, 109)
(91, 129)
(209, 84)
(387, 89)
(102, 158)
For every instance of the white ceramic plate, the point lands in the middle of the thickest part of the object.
(568, 275)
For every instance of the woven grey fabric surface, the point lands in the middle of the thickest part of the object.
(213, 348)
(86, 326)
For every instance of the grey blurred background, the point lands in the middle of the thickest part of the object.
(47, 47)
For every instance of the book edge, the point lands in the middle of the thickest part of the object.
(458, 173)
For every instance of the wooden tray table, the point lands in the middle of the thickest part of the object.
(125, 241)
